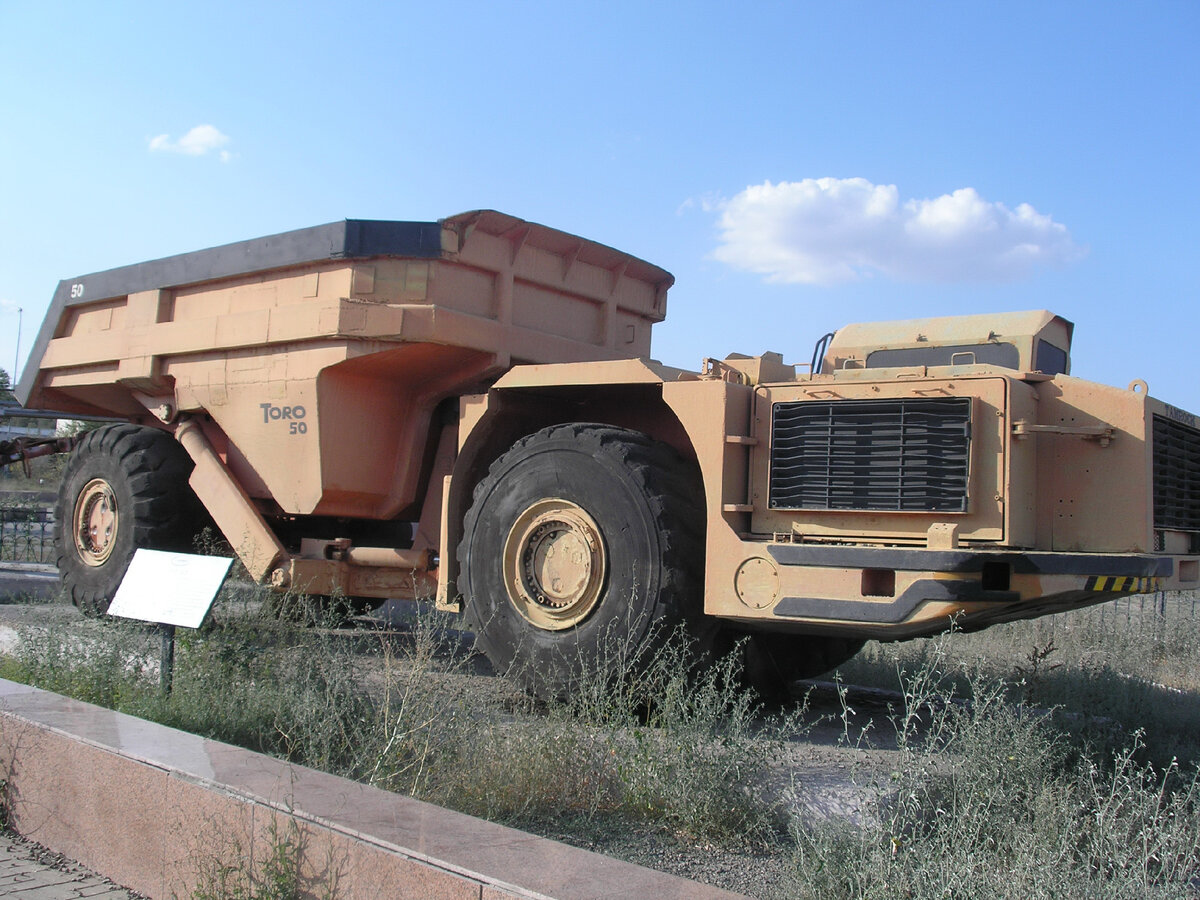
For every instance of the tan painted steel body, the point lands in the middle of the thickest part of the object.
(1065, 489)
(342, 412)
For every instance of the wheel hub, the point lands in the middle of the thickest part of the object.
(554, 564)
(95, 522)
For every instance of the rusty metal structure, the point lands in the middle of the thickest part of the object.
(466, 410)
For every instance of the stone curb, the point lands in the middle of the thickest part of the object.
(150, 807)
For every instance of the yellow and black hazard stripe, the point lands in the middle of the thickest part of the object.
(1125, 584)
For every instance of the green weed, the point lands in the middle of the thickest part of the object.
(993, 798)
(278, 877)
(1108, 671)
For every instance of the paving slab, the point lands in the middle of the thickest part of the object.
(29, 872)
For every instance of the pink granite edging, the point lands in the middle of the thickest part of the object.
(151, 808)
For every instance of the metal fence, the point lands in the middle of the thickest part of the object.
(1160, 605)
(26, 533)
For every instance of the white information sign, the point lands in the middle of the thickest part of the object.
(170, 588)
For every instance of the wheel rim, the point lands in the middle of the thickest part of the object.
(554, 564)
(95, 522)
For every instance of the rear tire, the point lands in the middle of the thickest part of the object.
(125, 487)
(580, 553)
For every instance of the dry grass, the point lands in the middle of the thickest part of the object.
(1054, 758)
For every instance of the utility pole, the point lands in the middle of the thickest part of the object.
(17, 353)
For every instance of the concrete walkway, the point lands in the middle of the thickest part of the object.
(27, 872)
(27, 581)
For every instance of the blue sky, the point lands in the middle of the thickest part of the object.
(797, 166)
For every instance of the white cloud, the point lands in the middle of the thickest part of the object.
(830, 230)
(200, 140)
(708, 202)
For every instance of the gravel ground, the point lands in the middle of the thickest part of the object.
(824, 777)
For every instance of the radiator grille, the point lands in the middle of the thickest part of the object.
(909, 454)
(1176, 476)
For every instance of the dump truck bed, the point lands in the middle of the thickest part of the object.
(320, 355)
(540, 295)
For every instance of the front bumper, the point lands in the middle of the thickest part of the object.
(899, 592)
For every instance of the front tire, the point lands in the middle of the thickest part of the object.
(125, 487)
(582, 550)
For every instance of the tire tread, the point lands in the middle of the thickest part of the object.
(164, 513)
(669, 485)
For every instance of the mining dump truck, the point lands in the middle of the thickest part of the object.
(466, 411)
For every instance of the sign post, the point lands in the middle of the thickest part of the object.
(169, 590)
(166, 669)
